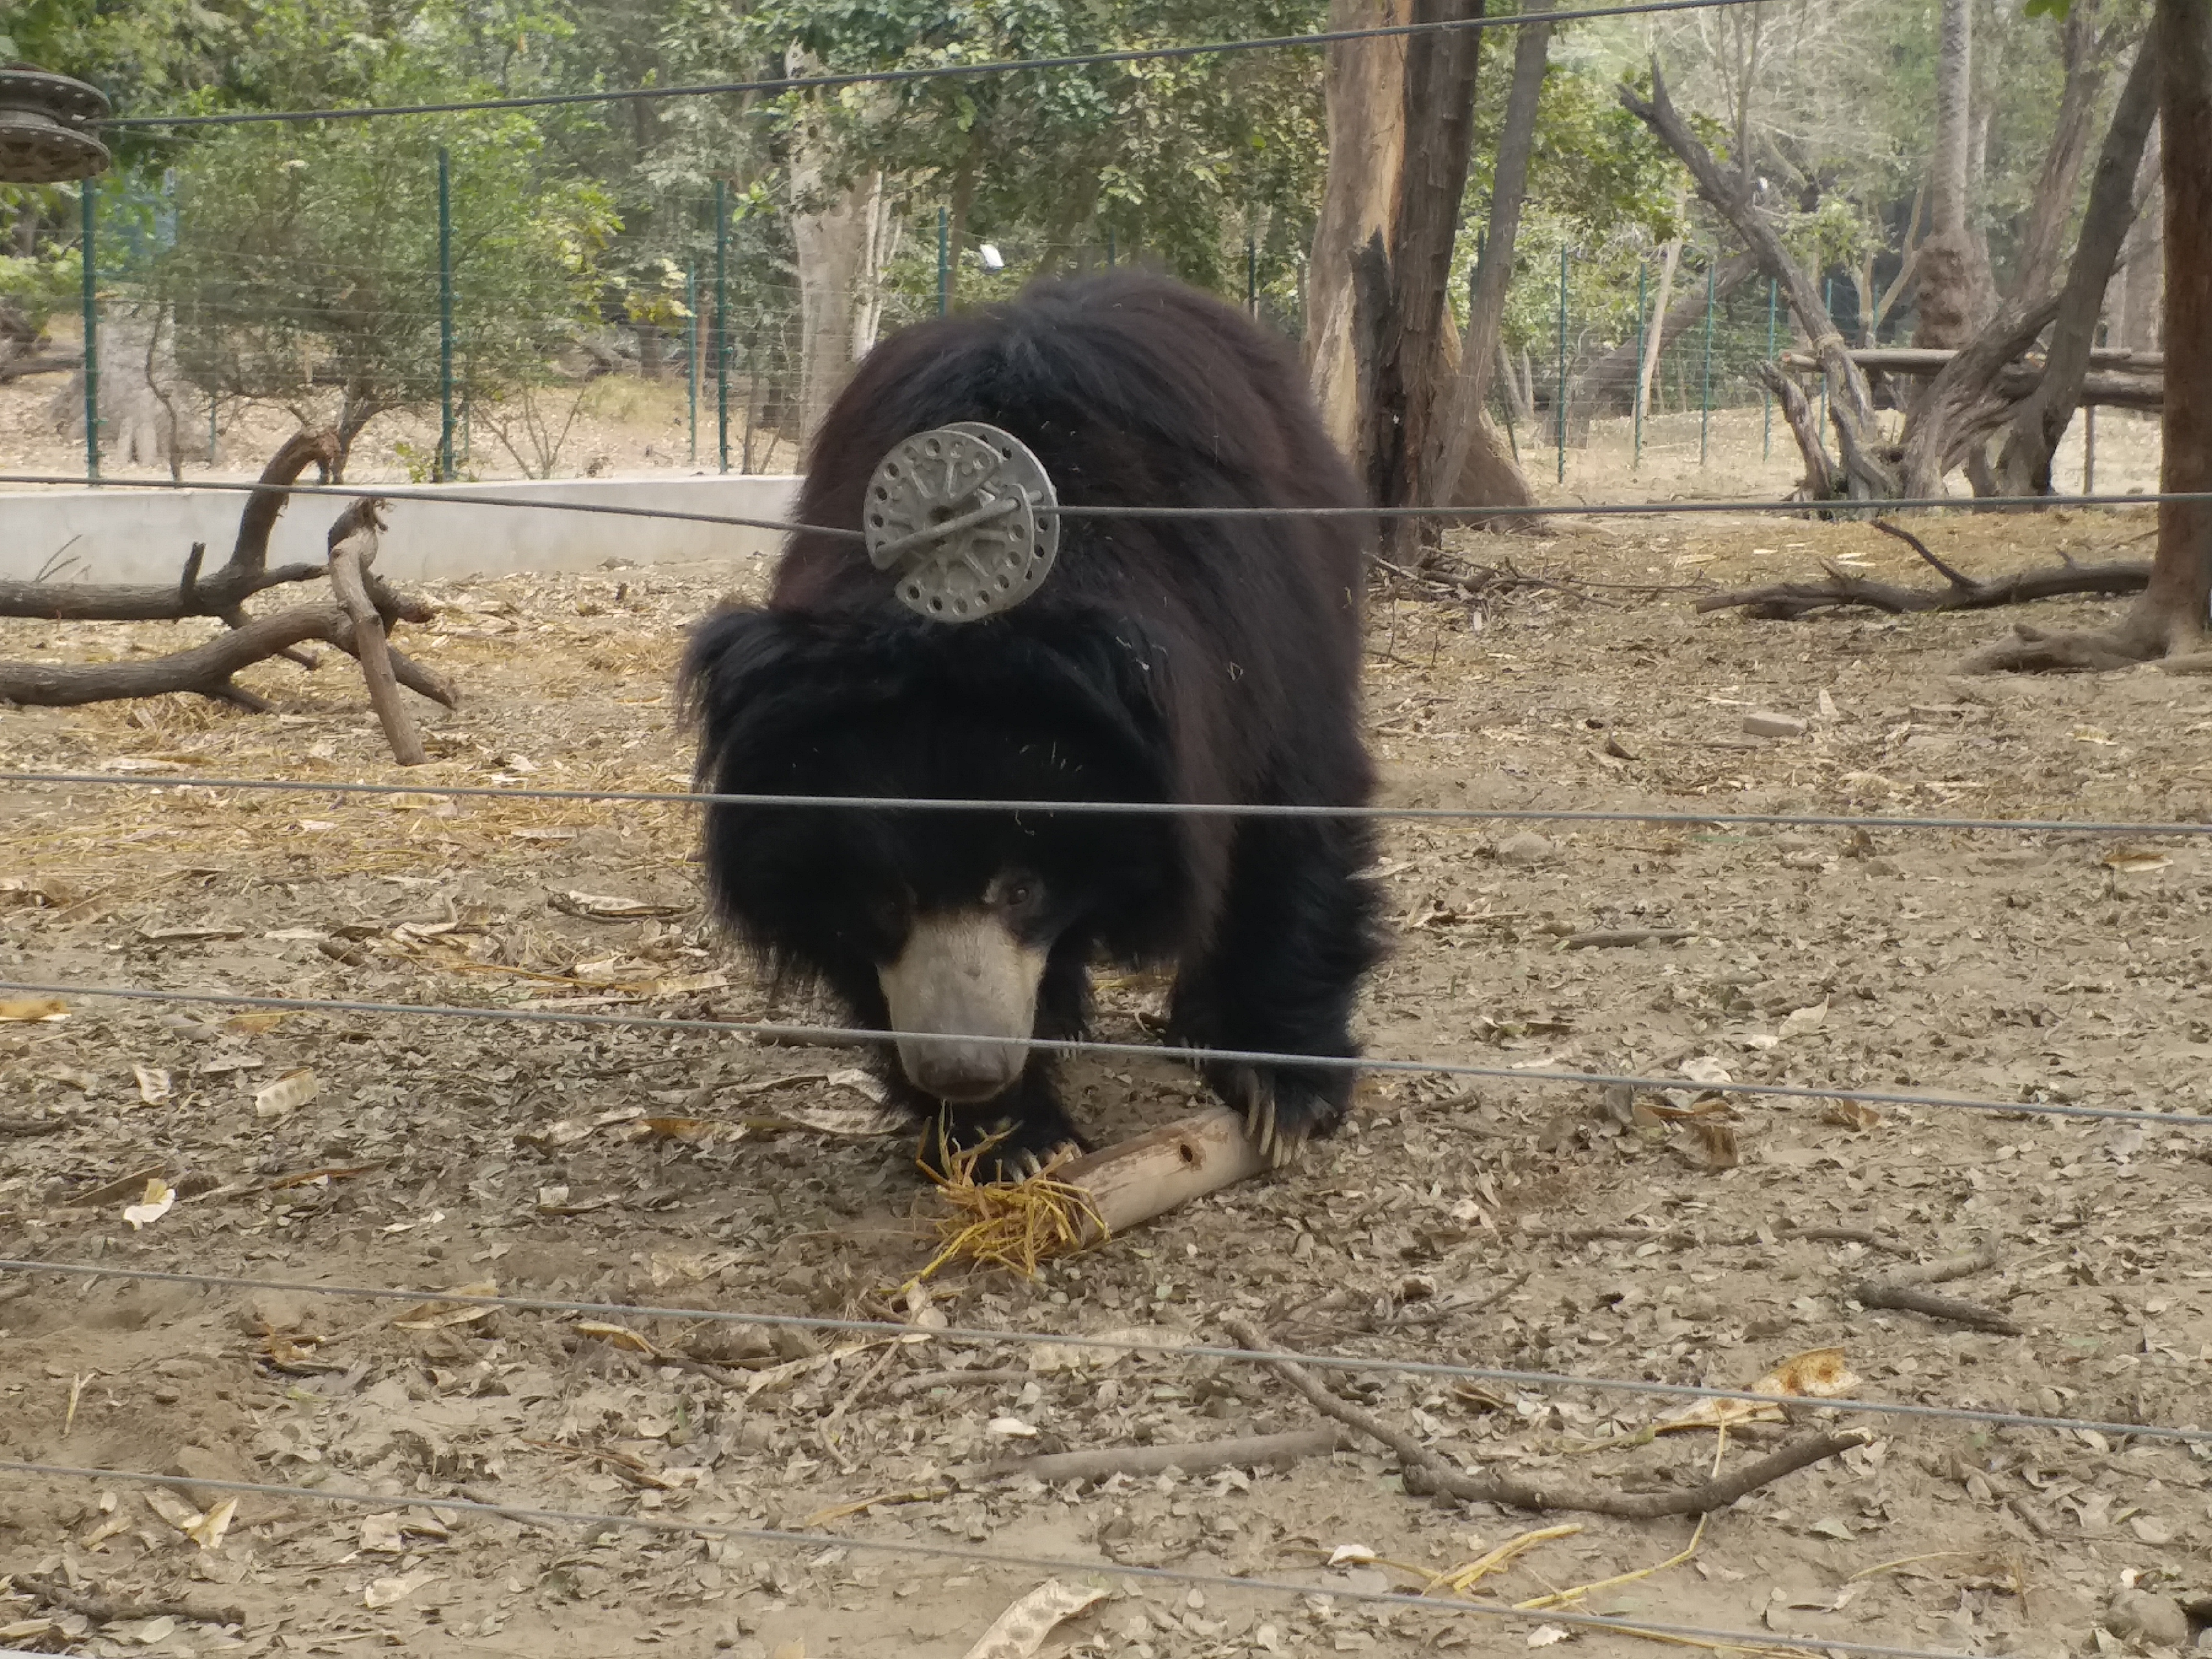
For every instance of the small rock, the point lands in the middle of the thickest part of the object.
(2158, 1620)
(1773, 725)
(1526, 847)
(194, 1464)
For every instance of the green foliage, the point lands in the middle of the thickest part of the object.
(307, 255)
(37, 287)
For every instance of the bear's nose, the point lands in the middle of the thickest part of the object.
(958, 1071)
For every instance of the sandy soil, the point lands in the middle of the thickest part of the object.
(1512, 1223)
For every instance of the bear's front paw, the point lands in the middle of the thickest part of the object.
(988, 1150)
(1283, 1107)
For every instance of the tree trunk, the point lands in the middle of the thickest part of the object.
(2135, 320)
(1366, 143)
(831, 222)
(2039, 420)
(2170, 616)
(1608, 383)
(1403, 396)
(1493, 272)
(2084, 52)
(1850, 404)
(1947, 260)
(1670, 260)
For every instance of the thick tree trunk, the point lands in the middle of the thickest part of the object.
(1947, 260)
(1608, 385)
(1850, 404)
(2040, 419)
(1403, 397)
(1366, 144)
(1493, 272)
(2170, 616)
(830, 227)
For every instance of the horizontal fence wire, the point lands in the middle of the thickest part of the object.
(1721, 1639)
(1132, 809)
(1852, 510)
(854, 1037)
(1439, 1370)
(450, 497)
(933, 72)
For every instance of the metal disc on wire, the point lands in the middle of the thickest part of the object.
(960, 515)
(46, 135)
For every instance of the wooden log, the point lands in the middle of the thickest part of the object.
(1137, 1180)
(352, 546)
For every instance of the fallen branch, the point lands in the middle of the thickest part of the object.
(12, 1126)
(353, 548)
(205, 669)
(1077, 1205)
(193, 595)
(106, 1610)
(1426, 1472)
(1788, 601)
(1610, 938)
(1903, 1298)
(1950, 1268)
(1145, 1460)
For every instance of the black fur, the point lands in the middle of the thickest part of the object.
(1189, 660)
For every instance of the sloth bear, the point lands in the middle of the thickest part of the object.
(1192, 660)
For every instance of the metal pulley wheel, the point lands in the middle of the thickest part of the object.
(961, 515)
(45, 128)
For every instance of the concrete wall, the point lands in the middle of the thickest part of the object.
(144, 535)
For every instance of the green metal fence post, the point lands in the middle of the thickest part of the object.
(1767, 397)
(1251, 277)
(1635, 397)
(444, 316)
(1560, 392)
(944, 261)
(87, 201)
(722, 324)
(1110, 250)
(1706, 401)
(691, 354)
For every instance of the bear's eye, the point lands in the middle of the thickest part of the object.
(1018, 894)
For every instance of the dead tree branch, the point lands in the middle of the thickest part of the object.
(1426, 1472)
(353, 548)
(205, 669)
(219, 595)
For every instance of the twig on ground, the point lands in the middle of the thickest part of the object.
(1977, 1260)
(105, 1609)
(10, 1127)
(1903, 1298)
(1899, 1292)
(1426, 1472)
(1607, 938)
(1194, 1459)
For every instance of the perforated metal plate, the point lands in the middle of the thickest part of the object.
(961, 515)
(45, 128)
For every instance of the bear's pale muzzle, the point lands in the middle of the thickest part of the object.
(964, 974)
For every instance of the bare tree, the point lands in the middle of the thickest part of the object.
(2168, 620)
(1366, 142)
(1946, 258)
(1493, 274)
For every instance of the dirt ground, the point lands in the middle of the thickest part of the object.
(1520, 1224)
